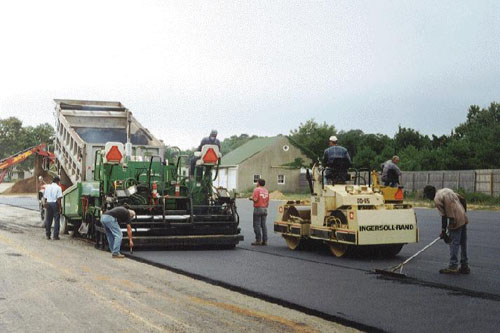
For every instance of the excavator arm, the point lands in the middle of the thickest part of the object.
(19, 157)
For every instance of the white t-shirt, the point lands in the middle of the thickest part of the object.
(52, 192)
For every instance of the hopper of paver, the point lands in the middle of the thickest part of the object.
(84, 127)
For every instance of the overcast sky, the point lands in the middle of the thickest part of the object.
(255, 67)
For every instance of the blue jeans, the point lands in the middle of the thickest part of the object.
(52, 214)
(113, 233)
(259, 222)
(458, 240)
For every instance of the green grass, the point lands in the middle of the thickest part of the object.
(474, 200)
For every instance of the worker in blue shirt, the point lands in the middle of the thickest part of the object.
(337, 161)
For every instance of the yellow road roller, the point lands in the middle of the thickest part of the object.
(347, 217)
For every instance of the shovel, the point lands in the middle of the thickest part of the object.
(392, 271)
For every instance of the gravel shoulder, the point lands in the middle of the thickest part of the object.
(68, 285)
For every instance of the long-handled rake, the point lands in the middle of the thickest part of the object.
(392, 270)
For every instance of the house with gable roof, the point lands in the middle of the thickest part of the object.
(275, 159)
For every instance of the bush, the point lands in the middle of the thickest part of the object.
(480, 198)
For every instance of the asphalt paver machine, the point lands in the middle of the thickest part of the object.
(109, 159)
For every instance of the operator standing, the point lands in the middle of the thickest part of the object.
(52, 201)
(452, 208)
(110, 220)
(209, 140)
(260, 200)
(391, 172)
(332, 153)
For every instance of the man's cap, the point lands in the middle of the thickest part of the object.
(213, 133)
(56, 179)
(333, 138)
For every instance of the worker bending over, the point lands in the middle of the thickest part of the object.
(110, 220)
(452, 208)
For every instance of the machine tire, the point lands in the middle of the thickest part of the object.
(73, 232)
(293, 243)
(43, 213)
(338, 249)
(63, 225)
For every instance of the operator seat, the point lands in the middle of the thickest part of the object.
(392, 178)
(336, 172)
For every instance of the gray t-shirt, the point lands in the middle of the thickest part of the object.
(121, 214)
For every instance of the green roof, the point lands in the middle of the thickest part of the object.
(247, 150)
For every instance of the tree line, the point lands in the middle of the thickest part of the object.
(473, 144)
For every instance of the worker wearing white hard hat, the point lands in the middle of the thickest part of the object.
(334, 158)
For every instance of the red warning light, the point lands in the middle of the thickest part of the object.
(398, 195)
(114, 155)
(210, 156)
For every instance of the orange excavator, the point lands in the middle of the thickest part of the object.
(10, 161)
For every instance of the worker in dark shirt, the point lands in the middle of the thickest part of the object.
(110, 220)
(209, 140)
(337, 161)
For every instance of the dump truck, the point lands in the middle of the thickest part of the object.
(348, 217)
(111, 160)
(84, 127)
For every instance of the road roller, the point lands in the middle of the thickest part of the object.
(348, 217)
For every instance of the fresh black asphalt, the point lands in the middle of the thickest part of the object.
(347, 290)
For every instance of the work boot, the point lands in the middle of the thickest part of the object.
(118, 256)
(464, 269)
(56, 238)
(48, 237)
(449, 270)
(263, 243)
(257, 243)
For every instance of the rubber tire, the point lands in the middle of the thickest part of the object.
(63, 225)
(43, 214)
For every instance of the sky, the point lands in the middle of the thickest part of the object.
(254, 67)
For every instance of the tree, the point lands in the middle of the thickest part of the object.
(479, 134)
(12, 136)
(409, 137)
(15, 138)
(312, 138)
(233, 142)
(351, 140)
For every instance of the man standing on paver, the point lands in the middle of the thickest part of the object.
(452, 208)
(52, 202)
(110, 220)
(209, 140)
(260, 200)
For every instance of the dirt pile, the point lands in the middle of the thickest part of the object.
(276, 195)
(29, 185)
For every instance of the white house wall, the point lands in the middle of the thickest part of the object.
(227, 178)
